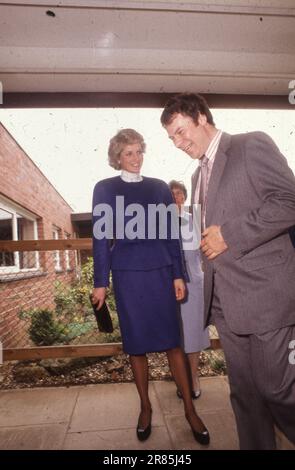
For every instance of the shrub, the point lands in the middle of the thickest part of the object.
(27, 314)
(72, 321)
(217, 362)
(45, 330)
(64, 299)
(73, 301)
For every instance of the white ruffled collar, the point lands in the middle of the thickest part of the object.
(129, 177)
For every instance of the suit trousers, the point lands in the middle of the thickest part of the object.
(261, 379)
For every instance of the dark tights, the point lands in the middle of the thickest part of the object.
(177, 364)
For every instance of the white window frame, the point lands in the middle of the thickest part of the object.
(67, 254)
(56, 254)
(14, 210)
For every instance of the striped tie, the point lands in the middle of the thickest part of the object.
(203, 189)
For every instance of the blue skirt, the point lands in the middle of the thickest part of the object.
(147, 310)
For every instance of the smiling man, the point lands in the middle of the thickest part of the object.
(247, 196)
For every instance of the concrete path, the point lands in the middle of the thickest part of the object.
(104, 416)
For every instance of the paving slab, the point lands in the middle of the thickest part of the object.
(119, 439)
(36, 406)
(104, 417)
(111, 406)
(215, 396)
(221, 426)
(45, 437)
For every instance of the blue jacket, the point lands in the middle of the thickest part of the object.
(115, 250)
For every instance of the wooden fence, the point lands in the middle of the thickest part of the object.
(41, 352)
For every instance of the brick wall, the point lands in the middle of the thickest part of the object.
(24, 184)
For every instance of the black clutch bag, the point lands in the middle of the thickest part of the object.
(103, 317)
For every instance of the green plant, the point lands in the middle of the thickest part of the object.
(73, 320)
(45, 330)
(26, 314)
(87, 272)
(217, 362)
(64, 298)
(75, 297)
(74, 300)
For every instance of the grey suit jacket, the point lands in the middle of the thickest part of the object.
(251, 195)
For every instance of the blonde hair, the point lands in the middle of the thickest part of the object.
(119, 142)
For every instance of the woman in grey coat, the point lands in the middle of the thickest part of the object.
(194, 337)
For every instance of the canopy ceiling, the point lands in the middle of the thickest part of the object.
(220, 47)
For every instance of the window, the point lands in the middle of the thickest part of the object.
(17, 224)
(67, 254)
(6, 220)
(56, 254)
(26, 231)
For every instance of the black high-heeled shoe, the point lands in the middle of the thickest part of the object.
(195, 394)
(202, 438)
(144, 434)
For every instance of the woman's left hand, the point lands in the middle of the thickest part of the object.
(179, 287)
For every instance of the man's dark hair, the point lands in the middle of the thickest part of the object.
(188, 104)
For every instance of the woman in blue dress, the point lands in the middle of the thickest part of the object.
(194, 337)
(146, 271)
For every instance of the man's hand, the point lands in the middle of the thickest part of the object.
(213, 243)
(98, 296)
(179, 287)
